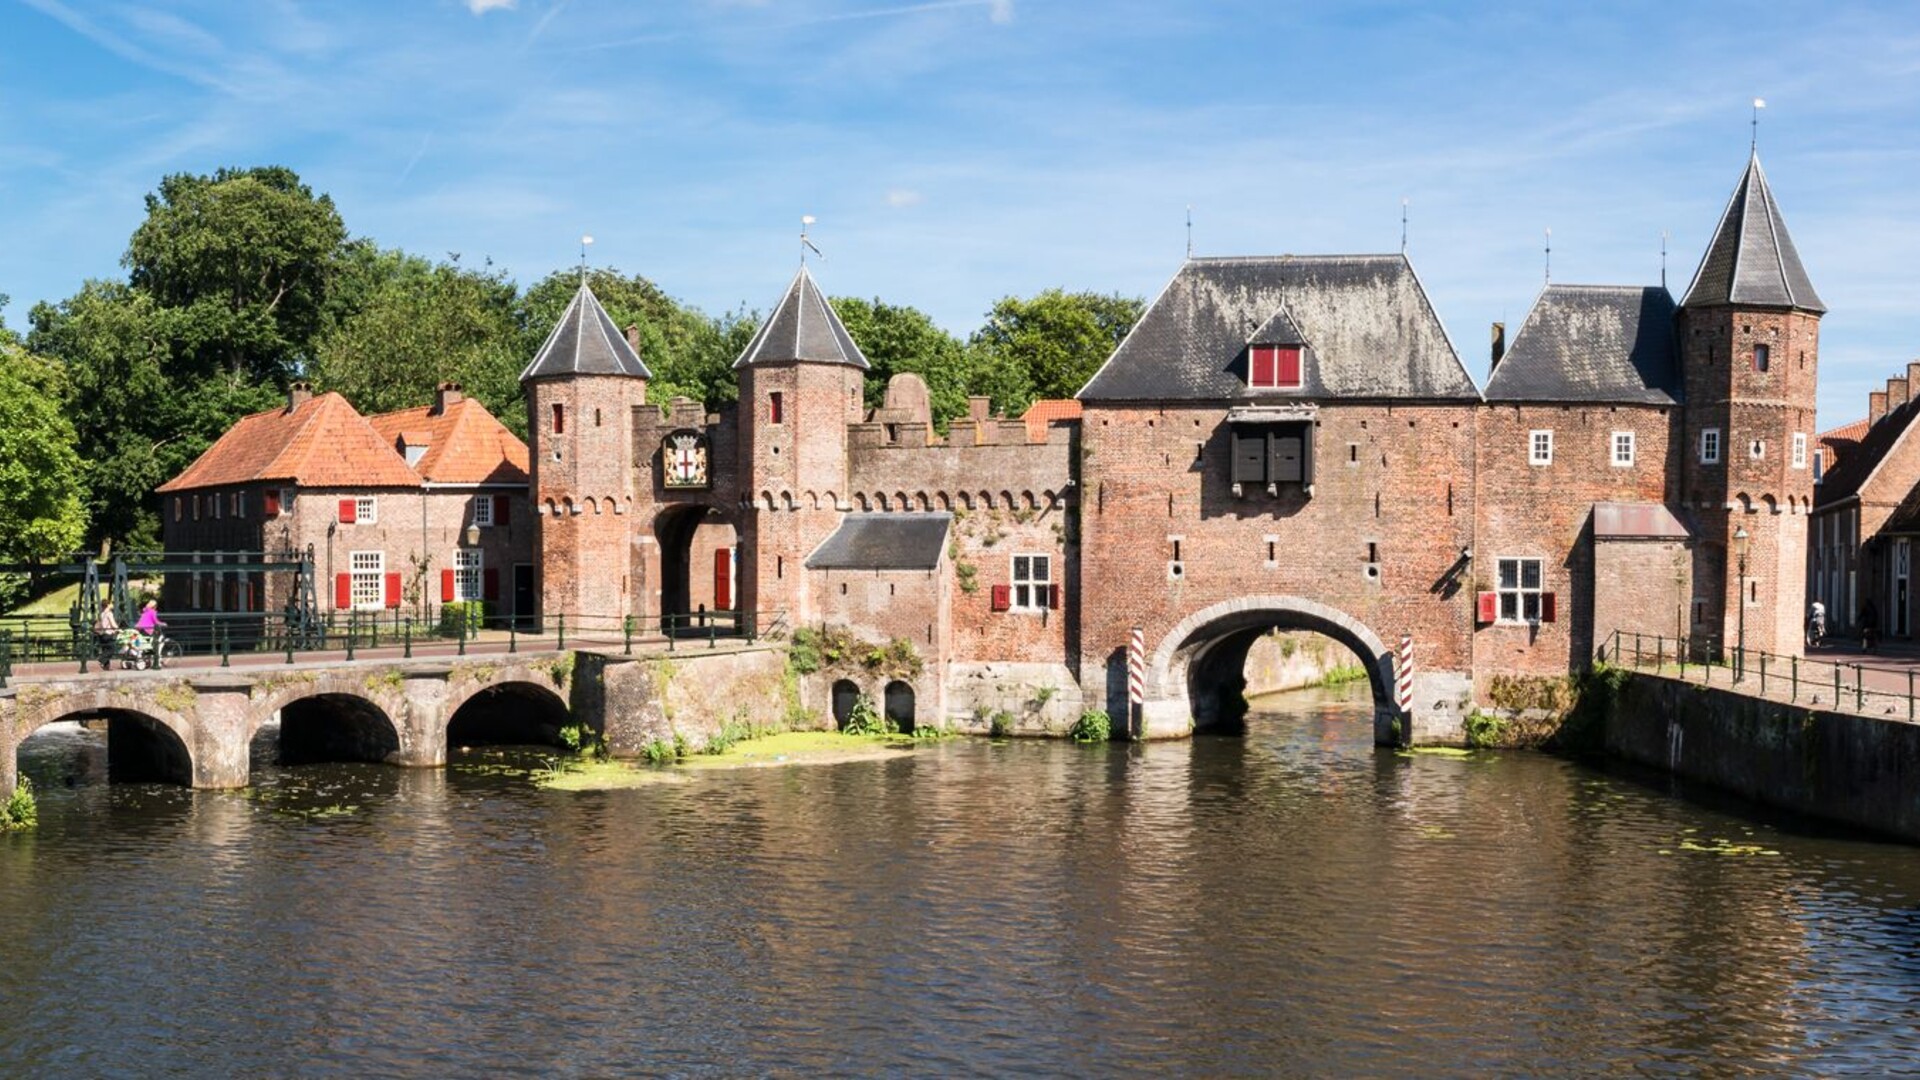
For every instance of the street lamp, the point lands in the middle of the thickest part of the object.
(1740, 651)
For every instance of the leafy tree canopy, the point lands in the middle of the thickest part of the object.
(1049, 345)
(41, 514)
(690, 354)
(898, 339)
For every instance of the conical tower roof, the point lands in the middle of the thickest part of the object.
(1752, 260)
(802, 327)
(585, 342)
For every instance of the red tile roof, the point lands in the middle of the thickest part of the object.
(320, 442)
(465, 444)
(1043, 412)
(1834, 444)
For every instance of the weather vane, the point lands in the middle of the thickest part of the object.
(1549, 267)
(1189, 230)
(806, 245)
(1758, 104)
(584, 241)
(1403, 224)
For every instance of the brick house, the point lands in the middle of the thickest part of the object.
(1866, 517)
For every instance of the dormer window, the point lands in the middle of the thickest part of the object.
(1273, 367)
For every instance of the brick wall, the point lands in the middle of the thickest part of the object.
(583, 495)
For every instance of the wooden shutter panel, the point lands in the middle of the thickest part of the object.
(1261, 361)
(342, 591)
(502, 507)
(393, 590)
(1287, 366)
(1487, 606)
(271, 497)
(346, 511)
(446, 586)
(490, 583)
(723, 579)
(1547, 606)
(1250, 457)
(1053, 596)
(1286, 464)
(1002, 596)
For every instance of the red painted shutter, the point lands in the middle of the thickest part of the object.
(1289, 366)
(723, 580)
(446, 587)
(1053, 596)
(346, 511)
(490, 584)
(342, 591)
(1002, 597)
(1489, 607)
(1262, 358)
(393, 590)
(271, 497)
(502, 509)
(1546, 607)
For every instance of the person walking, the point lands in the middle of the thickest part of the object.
(1869, 626)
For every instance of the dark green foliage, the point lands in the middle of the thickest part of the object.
(864, 719)
(1094, 725)
(690, 354)
(1048, 346)
(19, 811)
(455, 612)
(900, 340)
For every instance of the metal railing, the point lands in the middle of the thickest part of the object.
(1844, 685)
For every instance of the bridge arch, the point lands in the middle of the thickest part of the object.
(333, 724)
(512, 711)
(143, 744)
(1202, 657)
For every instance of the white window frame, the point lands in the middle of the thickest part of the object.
(1518, 598)
(468, 567)
(367, 577)
(1710, 446)
(1622, 440)
(483, 511)
(1032, 590)
(366, 510)
(1799, 450)
(1540, 446)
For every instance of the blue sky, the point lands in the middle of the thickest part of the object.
(955, 151)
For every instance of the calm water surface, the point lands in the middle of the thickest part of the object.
(1290, 902)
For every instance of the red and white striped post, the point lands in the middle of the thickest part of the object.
(1403, 674)
(1137, 667)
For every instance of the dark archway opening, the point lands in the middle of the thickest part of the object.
(509, 714)
(142, 750)
(116, 745)
(335, 727)
(699, 579)
(845, 694)
(1217, 667)
(899, 705)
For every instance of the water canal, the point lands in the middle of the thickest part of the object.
(1288, 902)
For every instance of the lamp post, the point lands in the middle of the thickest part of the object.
(1740, 651)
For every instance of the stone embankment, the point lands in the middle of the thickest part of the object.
(1293, 660)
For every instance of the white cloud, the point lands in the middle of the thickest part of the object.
(901, 197)
(481, 7)
(1000, 11)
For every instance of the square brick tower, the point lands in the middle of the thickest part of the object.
(801, 379)
(581, 390)
(1750, 342)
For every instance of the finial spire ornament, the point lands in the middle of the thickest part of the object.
(806, 245)
(584, 241)
(1663, 258)
(1758, 104)
(1549, 266)
(1403, 224)
(1189, 230)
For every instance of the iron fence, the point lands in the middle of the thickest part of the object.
(1847, 685)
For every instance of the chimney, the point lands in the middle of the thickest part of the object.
(298, 394)
(445, 396)
(1876, 407)
(978, 407)
(1499, 345)
(1896, 393)
(633, 337)
(1913, 380)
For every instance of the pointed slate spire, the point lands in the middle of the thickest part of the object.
(585, 342)
(802, 327)
(1752, 260)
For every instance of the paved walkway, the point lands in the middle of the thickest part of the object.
(1840, 676)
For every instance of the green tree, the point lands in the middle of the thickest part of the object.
(41, 514)
(1049, 345)
(689, 353)
(899, 339)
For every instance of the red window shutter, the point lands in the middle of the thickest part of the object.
(776, 408)
(271, 497)
(1002, 597)
(1546, 607)
(251, 605)
(1262, 361)
(502, 507)
(559, 418)
(1488, 607)
(1288, 364)
(393, 590)
(490, 584)
(723, 580)
(1053, 596)
(342, 591)
(346, 511)
(446, 586)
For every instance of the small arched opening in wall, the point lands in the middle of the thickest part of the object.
(1207, 654)
(514, 713)
(699, 567)
(845, 694)
(899, 705)
(328, 727)
(94, 746)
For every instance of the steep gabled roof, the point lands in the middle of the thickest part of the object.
(585, 342)
(465, 443)
(884, 542)
(1372, 331)
(802, 327)
(1043, 413)
(318, 442)
(1857, 466)
(1752, 260)
(1836, 443)
(1593, 343)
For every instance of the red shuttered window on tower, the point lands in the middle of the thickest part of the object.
(559, 418)
(271, 498)
(1273, 367)
(776, 408)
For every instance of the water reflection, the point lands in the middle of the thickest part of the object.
(1289, 901)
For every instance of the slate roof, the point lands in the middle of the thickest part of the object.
(1371, 332)
(884, 542)
(1593, 343)
(1752, 260)
(321, 442)
(465, 444)
(585, 342)
(1854, 468)
(802, 327)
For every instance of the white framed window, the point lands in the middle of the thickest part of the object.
(466, 574)
(1710, 446)
(1520, 587)
(1799, 450)
(1032, 581)
(366, 510)
(286, 500)
(483, 511)
(1623, 449)
(1540, 448)
(1273, 367)
(369, 586)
